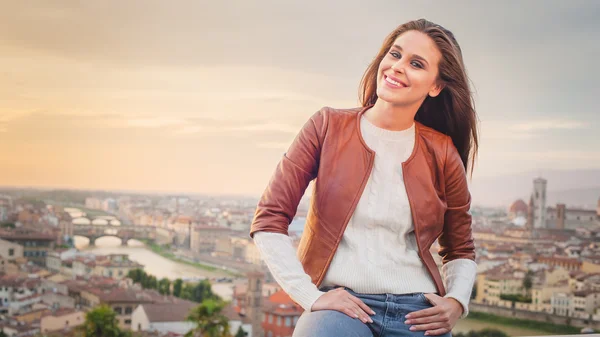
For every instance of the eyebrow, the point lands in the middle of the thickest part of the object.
(414, 55)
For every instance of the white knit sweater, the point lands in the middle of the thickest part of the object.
(378, 251)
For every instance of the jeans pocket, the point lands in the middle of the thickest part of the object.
(424, 299)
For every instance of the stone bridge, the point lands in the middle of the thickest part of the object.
(125, 232)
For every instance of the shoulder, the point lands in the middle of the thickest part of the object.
(435, 141)
(336, 116)
(439, 145)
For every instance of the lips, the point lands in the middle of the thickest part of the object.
(394, 82)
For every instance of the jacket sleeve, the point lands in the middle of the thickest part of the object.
(456, 241)
(296, 169)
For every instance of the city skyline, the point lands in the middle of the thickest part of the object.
(205, 99)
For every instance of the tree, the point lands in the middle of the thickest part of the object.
(528, 281)
(102, 322)
(199, 292)
(482, 333)
(2, 334)
(209, 320)
(164, 286)
(177, 286)
(240, 332)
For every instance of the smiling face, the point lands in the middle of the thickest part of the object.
(409, 70)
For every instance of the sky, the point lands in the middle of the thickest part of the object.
(206, 96)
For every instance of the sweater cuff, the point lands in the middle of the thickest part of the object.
(306, 297)
(279, 255)
(459, 277)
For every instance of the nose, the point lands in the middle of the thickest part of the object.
(398, 66)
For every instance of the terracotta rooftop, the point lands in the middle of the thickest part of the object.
(168, 312)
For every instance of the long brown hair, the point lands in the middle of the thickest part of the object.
(452, 112)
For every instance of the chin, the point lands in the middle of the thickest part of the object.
(389, 98)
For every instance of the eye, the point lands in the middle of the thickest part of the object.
(417, 64)
(395, 54)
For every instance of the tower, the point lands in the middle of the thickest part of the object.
(254, 302)
(539, 203)
(529, 224)
(560, 216)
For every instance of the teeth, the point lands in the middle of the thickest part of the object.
(392, 81)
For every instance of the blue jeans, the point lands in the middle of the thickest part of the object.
(388, 320)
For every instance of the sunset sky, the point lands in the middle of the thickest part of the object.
(205, 96)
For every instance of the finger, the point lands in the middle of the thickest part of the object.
(354, 311)
(361, 313)
(362, 304)
(425, 312)
(436, 332)
(427, 319)
(348, 311)
(430, 326)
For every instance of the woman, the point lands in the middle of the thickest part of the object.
(390, 180)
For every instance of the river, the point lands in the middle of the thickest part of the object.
(154, 264)
(160, 267)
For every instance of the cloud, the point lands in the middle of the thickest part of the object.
(551, 124)
(592, 156)
(274, 145)
(265, 127)
(155, 122)
(526, 129)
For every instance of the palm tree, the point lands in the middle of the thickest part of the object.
(209, 320)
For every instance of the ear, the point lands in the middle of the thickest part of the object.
(436, 90)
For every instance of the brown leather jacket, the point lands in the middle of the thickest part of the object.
(331, 149)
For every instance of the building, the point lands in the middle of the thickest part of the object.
(164, 317)
(124, 301)
(65, 224)
(116, 266)
(16, 329)
(10, 251)
(561, 217)
(539, 203)
(584, 303)
(567, 263)
(517, 209)
(498, 281)
(36, 245)
(280, 315)
(19, 293)
(61, 320)
(253, 308)
(6, 205)
(204, 238)
(561, 304)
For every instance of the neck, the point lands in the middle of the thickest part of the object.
(391, 117)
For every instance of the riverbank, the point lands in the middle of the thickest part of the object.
(549, 328)
(162, 251)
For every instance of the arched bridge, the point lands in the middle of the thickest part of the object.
(125, 233)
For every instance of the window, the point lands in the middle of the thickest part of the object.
(269, 334)
(67, 323)
(127, 321)
(11, 251)
(128, 310)
(278, 320)
(288, 321)
(118, 310)
(270, 319)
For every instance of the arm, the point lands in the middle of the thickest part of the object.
(280, 256)
(299, 165)
(456, 242)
